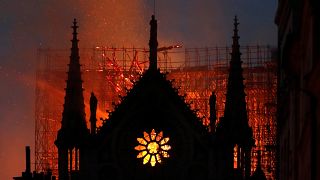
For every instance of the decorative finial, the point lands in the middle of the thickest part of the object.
(236, 23)
(236, 20)
(235, 44)
(74, 27)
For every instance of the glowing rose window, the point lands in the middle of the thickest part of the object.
(153, 147)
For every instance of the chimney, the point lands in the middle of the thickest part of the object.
(28, 163)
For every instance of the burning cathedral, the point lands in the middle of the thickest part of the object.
(153, 133)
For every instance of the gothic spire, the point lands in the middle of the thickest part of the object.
(73, 116)
(153, 44)
(233, 129)
(235, 114)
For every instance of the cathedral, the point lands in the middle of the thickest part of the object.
(153, 133)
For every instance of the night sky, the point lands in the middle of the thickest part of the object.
(26, 25)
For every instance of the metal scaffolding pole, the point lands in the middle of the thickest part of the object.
(109, 72)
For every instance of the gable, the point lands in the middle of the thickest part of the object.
(153, 104)
(153, 101)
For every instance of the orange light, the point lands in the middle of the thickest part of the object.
(235, 157)
(153, 147)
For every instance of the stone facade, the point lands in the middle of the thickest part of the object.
(299, 89)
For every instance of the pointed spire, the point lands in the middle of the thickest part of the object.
(235, 44)
(235, 114)
(73, 132)
(74, 101)
(153, 44)
(235, 33)
(74, 48)
(75, 33)
(73, 116)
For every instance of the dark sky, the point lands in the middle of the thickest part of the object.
(26, 25)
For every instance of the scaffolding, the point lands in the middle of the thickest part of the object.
(196, 72)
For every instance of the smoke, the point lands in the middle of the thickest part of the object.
(28, 25)
(16, 123)
(199, 23)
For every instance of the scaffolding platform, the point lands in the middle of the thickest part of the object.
(196, 72)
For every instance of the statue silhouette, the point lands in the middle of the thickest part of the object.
(93, 110)
(93, 104)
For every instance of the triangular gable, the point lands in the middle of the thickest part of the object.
(153, 93)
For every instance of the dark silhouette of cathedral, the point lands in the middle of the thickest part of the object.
(153, 133)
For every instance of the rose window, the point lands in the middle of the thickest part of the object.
(153, 148)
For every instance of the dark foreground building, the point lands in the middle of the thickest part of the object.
(153, 133)
(299, 89)
(28, 175)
